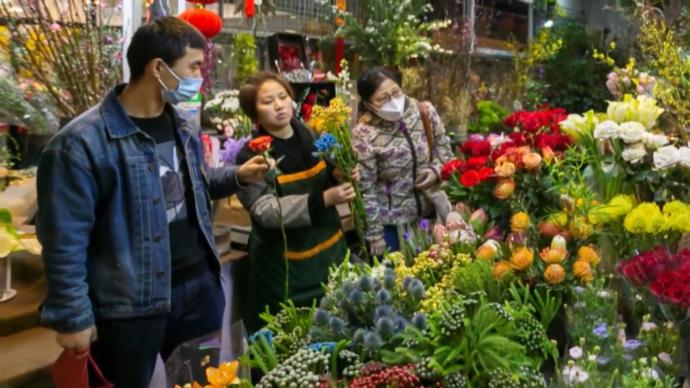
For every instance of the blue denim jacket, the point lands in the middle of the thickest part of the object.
(102, 221)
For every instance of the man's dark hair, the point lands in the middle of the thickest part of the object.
(166, 38)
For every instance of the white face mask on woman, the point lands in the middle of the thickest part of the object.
(392, 110)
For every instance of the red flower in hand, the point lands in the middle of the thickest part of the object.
(470, 179)
(261, 144)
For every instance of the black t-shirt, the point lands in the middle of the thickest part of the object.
(188, 249)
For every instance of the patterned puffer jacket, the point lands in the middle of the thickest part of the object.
(391, 155)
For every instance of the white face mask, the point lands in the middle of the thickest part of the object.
(392, 110)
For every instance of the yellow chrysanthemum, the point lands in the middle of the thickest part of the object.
(677, 216)
(645, 218)
(519, 222)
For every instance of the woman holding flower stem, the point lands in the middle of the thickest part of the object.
(300, 201)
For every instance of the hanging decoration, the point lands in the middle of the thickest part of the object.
(208, 22)
(249, 8)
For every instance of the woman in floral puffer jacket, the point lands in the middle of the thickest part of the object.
(399, 172)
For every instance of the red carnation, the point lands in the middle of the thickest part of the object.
(451, 168)
(477, 162)
(518, 138)
(261, 144)
(470, 178)
(502, 150)
(485, 173)
(476, 148)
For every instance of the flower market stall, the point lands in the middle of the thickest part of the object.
(565, 258)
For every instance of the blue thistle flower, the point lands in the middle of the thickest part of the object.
(419, 321)
(365, 283)
(383, 311)
(356, 298)
(389, 281)
(407, 282)
(383, 297)
(262, 333)
(373, 341)
(337, 326)
(321, 317)
(348, 286)
(400, 322)
(416, 291)
(358, 337)
(385, 327)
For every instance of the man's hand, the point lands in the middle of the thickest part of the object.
(78, 343)
(254, 170)
(338, 194)
(427, 177)
(377, 247)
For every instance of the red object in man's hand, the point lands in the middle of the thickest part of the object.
(71, 372)
(261, 144)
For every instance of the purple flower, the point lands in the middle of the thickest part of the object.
(632, 344)
(407, 235)
(601, 331)
(231, 148)
(425, 225)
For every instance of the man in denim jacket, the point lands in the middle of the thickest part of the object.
(124, 215)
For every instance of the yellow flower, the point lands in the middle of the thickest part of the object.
(677, 215)
(501, 269)
(588, 254)
(554, 274)
(582, 270)
(519, 222)
(645, 218)
(505, 169)
(223, 376)
(560, 219)
(553, 255)
(618, 207)
(580, 229)
(521, 259)
(487, 251)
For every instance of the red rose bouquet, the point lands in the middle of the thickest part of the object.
(663, 276)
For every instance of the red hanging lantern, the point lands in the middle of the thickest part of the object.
(249, 8)
(209, 23)
(204, 2)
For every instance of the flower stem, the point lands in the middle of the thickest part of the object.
(274, 185)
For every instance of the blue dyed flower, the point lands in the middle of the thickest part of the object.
(383, 296)
(326, 143)
(383, 311)
(267, 334)
(319, 346)
(601, 331)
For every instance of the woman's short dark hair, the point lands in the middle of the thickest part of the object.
(166, 38)
(370, 80)
(250, 89)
